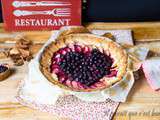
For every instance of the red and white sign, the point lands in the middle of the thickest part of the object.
(40, 14)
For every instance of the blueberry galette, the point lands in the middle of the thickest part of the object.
(81, 61)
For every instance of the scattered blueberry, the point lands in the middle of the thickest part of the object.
(3, 68)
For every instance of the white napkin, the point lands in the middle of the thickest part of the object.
(121, 36)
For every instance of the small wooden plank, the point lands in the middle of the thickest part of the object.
(153, 46)
(142, 31)
(24, 113)
(34, 36)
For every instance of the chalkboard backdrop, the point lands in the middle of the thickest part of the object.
(122, 10)
(119, 10)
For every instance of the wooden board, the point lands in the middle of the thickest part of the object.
(142, 31)
(143, 103)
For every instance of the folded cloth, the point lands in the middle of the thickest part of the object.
(36, 91)
(151, 68)
(75, 109)
(121, 36)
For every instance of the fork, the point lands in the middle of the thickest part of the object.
(57, 12)
(18, 4)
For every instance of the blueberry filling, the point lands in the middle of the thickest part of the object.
(81, 65)
(3, 68)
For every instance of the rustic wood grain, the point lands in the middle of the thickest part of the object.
(34, 36)
(142, 31)
(142, 100)
(143, 103)
(153, 46)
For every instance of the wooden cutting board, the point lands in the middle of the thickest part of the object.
(142, 103)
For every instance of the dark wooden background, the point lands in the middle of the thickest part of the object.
(122, 10)
(0, 12)
(119, 10)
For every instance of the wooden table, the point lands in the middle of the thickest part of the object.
(143, 102)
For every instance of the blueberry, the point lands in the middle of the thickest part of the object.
(86, 68)
(3, 68)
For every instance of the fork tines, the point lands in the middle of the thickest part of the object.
(63, 11)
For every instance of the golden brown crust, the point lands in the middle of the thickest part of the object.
(72, 30)
(116, 51)
(110, 36)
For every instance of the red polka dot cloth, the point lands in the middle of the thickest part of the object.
(75, 109)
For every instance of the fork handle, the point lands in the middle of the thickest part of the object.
(18, 4)
(19, 13)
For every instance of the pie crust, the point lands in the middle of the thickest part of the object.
(81, 36)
